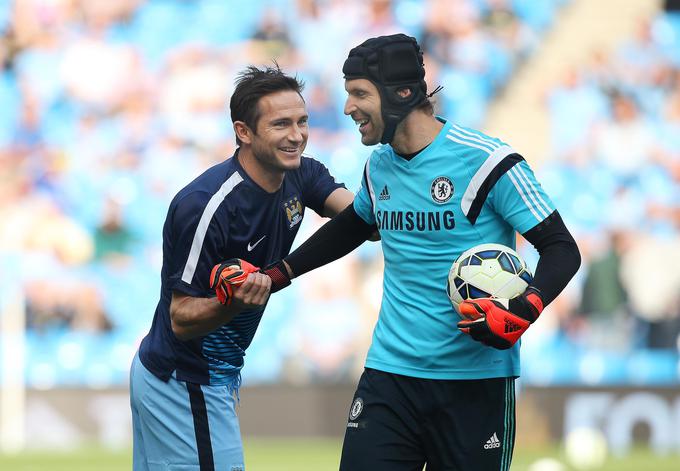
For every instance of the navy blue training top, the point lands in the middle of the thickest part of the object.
(223, 214)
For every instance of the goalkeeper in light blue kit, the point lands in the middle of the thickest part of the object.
(433, 394)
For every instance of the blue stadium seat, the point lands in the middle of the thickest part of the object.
(10, 99)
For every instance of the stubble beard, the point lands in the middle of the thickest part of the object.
(268, 159)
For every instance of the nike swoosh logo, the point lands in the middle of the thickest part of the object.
(251, 247)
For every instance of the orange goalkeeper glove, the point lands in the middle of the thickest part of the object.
(499, 323)
(227, 274)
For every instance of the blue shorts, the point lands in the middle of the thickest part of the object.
(182, 426)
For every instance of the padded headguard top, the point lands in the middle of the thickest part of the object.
(392, 63)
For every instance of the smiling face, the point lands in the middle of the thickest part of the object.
(363, 105)
(281, 132)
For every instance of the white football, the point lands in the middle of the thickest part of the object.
(487, 271)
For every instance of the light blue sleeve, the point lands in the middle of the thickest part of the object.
(520, 199)
(363, 203)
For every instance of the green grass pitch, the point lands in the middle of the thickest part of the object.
(297, 455)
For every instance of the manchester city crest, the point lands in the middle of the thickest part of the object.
(294, 211)
(441, 189)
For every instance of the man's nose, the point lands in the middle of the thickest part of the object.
(297, 133)
(350, 107)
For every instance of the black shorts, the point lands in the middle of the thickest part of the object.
(400, 423)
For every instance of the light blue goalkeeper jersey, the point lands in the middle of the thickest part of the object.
(464, 189)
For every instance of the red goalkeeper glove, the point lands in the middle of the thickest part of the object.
(227, 274)
(499, 323)
(279, 275)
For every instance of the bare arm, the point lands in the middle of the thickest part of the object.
(193, 317)
(337, 201)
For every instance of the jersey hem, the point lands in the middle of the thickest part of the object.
(443, 374)
(148, 365)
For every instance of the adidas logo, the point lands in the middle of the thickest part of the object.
(384, 194)
(492, 442)
(511, 326)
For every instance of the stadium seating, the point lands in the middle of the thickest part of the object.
(108, 111)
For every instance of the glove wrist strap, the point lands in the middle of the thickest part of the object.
(535, 302)
(279, 275)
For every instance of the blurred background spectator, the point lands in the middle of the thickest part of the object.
(109, 108)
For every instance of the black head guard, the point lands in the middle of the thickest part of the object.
(392, 63)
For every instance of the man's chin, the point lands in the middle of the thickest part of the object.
(369, 140)
(291, 164)
(287, 159)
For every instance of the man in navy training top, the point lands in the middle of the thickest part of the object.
(185, 377)
(432, 394)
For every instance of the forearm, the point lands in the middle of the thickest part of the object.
(337, 202)
(559, 257)
(500, 324)
(194, 317)
(335, 239)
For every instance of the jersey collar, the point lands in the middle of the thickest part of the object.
(422, 156)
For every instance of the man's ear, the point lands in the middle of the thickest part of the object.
(243, 132)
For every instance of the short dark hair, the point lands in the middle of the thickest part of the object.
(251, 85)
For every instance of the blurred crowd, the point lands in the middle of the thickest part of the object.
(109, 108)
(614, 171)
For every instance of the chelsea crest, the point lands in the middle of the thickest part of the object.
(441, 189)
